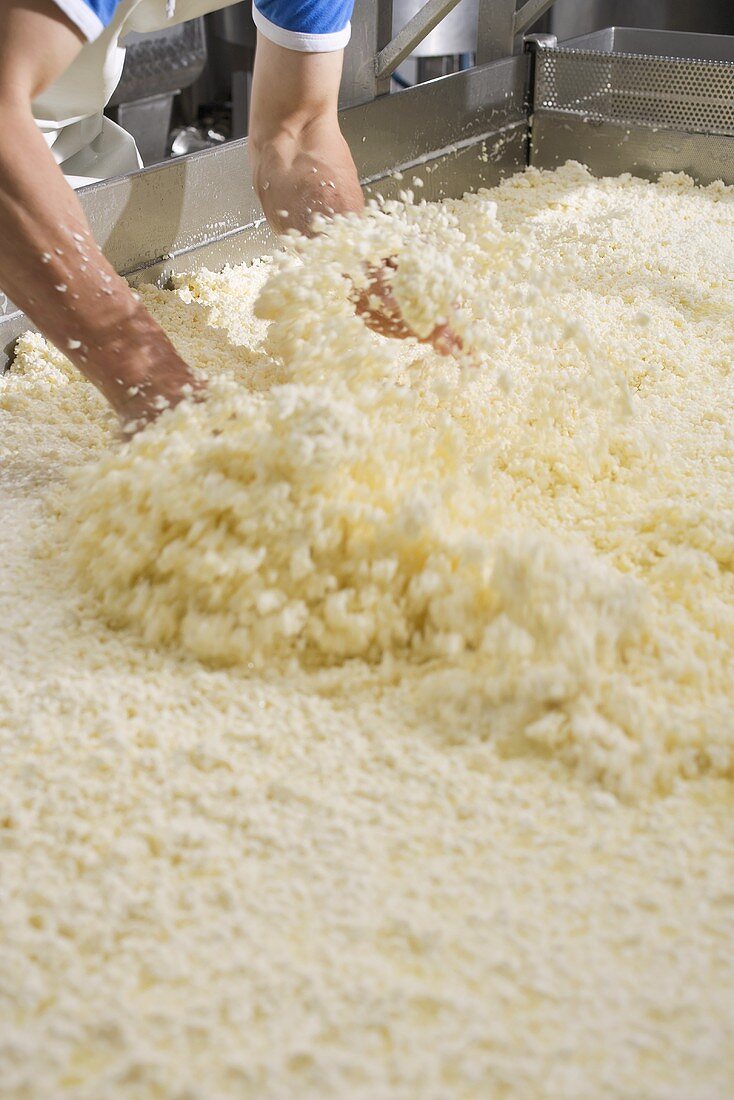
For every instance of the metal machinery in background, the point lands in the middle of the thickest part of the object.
(158, 65)
(618, 100)
(162, 63)
(449, 47)
(232, 36)
(499, 29)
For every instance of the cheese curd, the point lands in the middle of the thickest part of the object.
(535, 547)
(366, 730)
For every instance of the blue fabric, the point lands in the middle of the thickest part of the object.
(307, 16)
(297, 16)
(103, 9)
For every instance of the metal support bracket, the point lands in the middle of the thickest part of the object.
(528, 13)
(371, 30)
(374, 56)
(501, 28)
(414, 31)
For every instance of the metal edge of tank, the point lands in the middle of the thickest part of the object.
(202, 207)
(610, 144)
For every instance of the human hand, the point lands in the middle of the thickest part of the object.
(142, 402)
(377, 306)
(148, 376)
(299, 177)
(301, 164)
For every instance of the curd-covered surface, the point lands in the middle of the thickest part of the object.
(367, 730)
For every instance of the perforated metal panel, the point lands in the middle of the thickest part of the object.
(673, 93)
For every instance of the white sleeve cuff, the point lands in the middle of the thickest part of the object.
(82, 17)
(296, 40)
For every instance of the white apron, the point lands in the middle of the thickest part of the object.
(87, 146)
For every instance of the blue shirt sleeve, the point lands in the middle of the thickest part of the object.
(90, 16)
(310, 26)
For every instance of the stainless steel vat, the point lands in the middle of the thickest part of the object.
(640, 110)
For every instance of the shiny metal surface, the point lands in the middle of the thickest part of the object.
(529, 13)
(371, 30)
(456, 33)
(665, 103)
(158, 64)
(609, 148)
(658, 43)
(673, 92)
(412, 37)
(501, 26)
(149, 121)
(375, 51)
(458, 133)
(495, 30)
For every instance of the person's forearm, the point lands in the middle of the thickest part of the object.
(52, 269)
(302, 165)
(49, 264)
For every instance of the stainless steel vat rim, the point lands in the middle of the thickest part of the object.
(616, 55)
(619, 31)
(201, 210)
(676, 93)
(443, 120)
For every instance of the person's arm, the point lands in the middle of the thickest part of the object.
(50, 265)
(301, 164)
